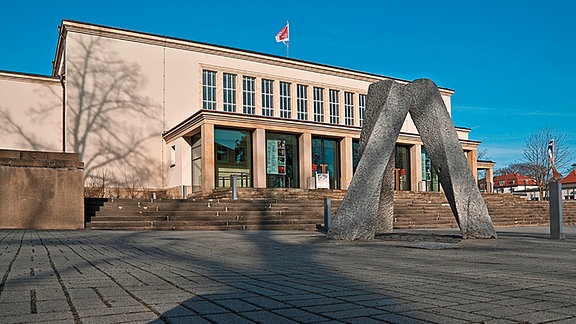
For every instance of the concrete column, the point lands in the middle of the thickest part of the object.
(326, 105)
(276, 98)
(293, 100)
(489, 180)
(341, 112)
(184, 157)
(416, 168)
(310, 103)
(219, 91)
(346, 168)
(208, 177)
(239, 93)
(258, 97)
(355, 109)
(472, 158)
(259, 157)
(305, 153)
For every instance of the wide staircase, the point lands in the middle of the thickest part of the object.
(431, 210)
(295, 209)
(256, 210)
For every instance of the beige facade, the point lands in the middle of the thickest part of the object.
(30, 112)
(160, 112)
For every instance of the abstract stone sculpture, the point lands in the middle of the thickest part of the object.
(368, 204)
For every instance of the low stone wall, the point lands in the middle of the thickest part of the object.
(41, 190)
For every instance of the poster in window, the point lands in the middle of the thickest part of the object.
(272, 157)
(322, 181)
(276, 157)
(281, 157)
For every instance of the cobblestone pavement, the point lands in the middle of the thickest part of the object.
(286, 277)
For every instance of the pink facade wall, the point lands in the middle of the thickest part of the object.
(30, 112)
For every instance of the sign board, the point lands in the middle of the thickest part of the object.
(276, 157)
(322, 181)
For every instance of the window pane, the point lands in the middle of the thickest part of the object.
(361, 108)
(285, 100)
(249, 95)
(209, 90)
(349, 108)
(233, 156)
(334, 106)
(229, 92)
(318, 104)
(302, 102)
(267, 97)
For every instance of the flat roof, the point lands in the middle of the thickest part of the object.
(162, 40)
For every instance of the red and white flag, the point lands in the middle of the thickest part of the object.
(284, 34)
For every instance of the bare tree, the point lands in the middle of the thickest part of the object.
(536, 156)
(520, 168)
(483, 155)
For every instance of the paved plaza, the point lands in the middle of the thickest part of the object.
(425, 276)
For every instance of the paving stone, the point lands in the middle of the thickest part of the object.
(267, 317)
(397, 318)
(177, 311)
(121, 318)
(225, 319)
(539, 317)
(59, 317)
(434, 317)
(266, 303)
(354, 312)
(341, 279)
(300, 315)
(203, 307)
(237, 305)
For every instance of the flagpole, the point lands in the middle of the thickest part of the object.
(288, 42)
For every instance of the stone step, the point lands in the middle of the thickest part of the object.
(285, 209)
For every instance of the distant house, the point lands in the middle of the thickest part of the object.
(514, 183)
(569, 185)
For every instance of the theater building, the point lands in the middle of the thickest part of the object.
(182, 115)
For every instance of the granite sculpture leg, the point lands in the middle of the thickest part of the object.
(368, 203)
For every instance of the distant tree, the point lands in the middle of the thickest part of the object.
(520, 168)
(483, 155)
(536, 158)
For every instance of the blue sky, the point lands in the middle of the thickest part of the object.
(511, 63)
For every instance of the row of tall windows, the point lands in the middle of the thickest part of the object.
(229, 98)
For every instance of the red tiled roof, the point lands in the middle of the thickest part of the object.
(513, 180)
(570, 178)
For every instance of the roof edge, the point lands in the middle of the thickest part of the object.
(156, 39)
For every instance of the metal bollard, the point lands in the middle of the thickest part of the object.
(555, 202)
(234, 188)
(327, 213)
(184, 192)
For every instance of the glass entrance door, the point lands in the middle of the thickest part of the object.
(326, 156)
(429, 175)
(282, 161)
(402, 168)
